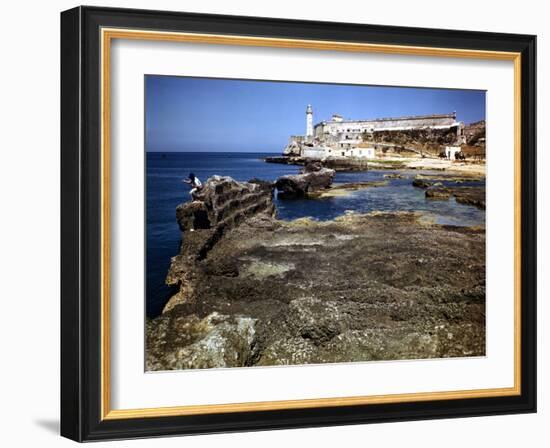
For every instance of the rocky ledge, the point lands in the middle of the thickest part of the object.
(334, 163)
(221, 205)
(345, 189)
(465, 195)
(359, 288)
(224, 202)
(435, 189)
(312, 179)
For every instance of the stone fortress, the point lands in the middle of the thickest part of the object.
(421, 135)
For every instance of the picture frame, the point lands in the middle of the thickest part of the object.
(86, 37)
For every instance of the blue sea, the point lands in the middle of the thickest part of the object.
(165, 191)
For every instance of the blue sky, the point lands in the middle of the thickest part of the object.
(202, 114)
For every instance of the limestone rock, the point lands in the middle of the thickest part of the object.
(314, 319)
(438, 193)
(273, 292)
(216, 341)
(421, 183)
(470, 196)
(225, 202)
(313, 178)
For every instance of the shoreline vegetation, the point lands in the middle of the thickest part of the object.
(254, 290)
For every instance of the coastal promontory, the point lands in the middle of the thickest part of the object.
(253, 290)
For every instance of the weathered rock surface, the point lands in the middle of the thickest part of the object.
(449, 177)
(465, 195)
(421, 183)
(470, 196)
(191, 342)
(475, 133)
(435, 189)
(313, 178)
(438, 193)
(225, 202)
(221, 205)
(345, 189)
(358, 288)
(335, 163)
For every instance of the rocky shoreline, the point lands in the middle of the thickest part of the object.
(257, 291)
(347, 164)
(464, 195)
(336, 164)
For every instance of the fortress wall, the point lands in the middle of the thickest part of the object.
(405, 122)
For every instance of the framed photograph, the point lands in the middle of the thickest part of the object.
(276, 224)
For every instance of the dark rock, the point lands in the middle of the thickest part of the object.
(474, 196)
(314, 319)
(285, 160)
(438, 193)
(474, 132)
(299, 185)
(221, 205)
(264, 184)
(470, 196)
(225, 202)
(192, 216)
(421, 183)
(428, 140)
(312, 167)
(339, 190)
(191, 342)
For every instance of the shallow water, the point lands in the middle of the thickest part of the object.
(165, 191)
(397, 195)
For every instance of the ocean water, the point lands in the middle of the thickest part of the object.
(164, 172)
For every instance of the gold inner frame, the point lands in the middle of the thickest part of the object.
(107, 35)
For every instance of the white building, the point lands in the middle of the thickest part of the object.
(339, 137)
(450, 151)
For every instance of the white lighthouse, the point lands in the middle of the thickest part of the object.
(309, 122)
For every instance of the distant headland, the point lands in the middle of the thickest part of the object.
(349, 144)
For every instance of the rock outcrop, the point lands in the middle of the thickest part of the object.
(427, 140)
(191, 342)
(340, 190)
(470, 196)
(474, 196)
(221, 205)
(224, 202)
(422, 183)
(438, 193)
(313, 178)
(475, 133)
(369, 287)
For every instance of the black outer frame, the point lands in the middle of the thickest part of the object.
(80, 223)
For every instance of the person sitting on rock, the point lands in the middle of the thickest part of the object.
(195, 184)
